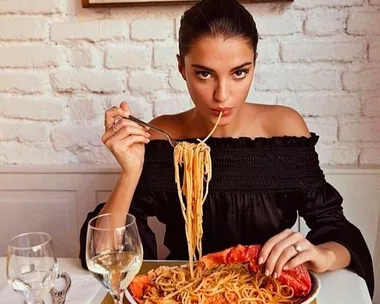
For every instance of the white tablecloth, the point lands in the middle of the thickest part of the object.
(338, 287)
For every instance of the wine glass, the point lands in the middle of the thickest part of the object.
(31, 265)
(114, 251)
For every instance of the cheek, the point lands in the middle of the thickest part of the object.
(241, 91)
(200, 93)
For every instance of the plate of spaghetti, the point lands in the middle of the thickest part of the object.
(229, 276)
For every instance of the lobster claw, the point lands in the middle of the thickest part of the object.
(298, 278)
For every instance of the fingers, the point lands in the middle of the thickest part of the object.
(267, 248)
(299, 259)
(281, 251)
(126, 130)
(129, 127)
(114, 112)
(290, 253)
(125, 144)
(131, 140)
(124, 105)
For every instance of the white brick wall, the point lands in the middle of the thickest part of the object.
(324, 50)
(93, 31)
(325, 22)
(152, 29)
(374, 51)
(327, 3)
(34, 7)
(23, 28)
(133, 57)
(30, 56)
(24, 82)
(61, 66)
(363, 23)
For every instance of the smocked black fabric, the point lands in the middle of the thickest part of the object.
(257, 187)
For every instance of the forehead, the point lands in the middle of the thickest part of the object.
(219, 52)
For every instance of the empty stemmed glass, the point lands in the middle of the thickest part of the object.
(114, 251)
(31, 265)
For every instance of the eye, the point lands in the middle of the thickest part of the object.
(240, 74)
(203, 75)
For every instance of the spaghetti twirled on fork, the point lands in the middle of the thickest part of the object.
(197, 172)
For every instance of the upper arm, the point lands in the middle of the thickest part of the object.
(288, 122)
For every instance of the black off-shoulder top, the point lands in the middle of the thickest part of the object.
(257, 187)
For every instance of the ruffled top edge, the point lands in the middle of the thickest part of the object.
(246, 142)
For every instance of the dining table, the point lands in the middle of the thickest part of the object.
(337, 287)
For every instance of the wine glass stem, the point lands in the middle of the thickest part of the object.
(118, 299)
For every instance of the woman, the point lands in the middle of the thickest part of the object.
(265, 167)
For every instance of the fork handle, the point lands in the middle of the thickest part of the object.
(140, 122)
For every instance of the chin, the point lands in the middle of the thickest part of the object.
(224, 121)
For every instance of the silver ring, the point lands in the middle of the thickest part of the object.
(298, 248)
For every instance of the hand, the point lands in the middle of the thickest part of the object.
(279, 253)
(125, 139)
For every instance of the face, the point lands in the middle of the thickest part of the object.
(219, 74)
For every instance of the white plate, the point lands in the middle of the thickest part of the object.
(315, 283)
(315, 288)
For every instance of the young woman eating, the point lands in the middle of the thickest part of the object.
(264, 165)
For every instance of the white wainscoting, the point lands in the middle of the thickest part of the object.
(56, 199)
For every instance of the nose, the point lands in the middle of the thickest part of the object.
(221, 92)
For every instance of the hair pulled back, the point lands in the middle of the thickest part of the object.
(212, 18)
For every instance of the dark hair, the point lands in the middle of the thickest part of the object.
(226, 18)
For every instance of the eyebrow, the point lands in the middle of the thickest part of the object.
(211, 70)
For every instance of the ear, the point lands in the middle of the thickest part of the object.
(181, 66)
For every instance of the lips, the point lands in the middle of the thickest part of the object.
(225, 111)
(221, 110)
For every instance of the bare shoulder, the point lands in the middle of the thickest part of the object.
(169, 123)
(283, 121)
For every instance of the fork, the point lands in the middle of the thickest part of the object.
(171, 140)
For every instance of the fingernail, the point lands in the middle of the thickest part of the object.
(267, 272)
(286, 267)
(147, 140)
(275, 275)
(147, 134)
(261, 260)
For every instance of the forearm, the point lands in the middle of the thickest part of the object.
(339, 256)
(121, 197)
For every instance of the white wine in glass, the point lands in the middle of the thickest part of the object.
(114, 252)
(31, 265)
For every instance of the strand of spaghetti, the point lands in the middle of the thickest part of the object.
(216, 125)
